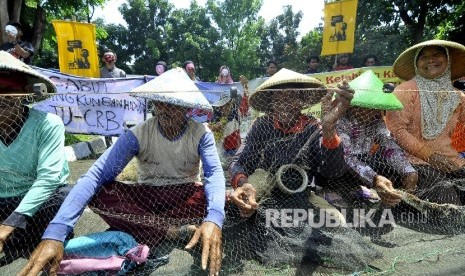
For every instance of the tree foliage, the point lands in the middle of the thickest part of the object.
(419, 17)
(281, 38)
(143, 41)
(36, 17)
(238, 23)
(191, 36)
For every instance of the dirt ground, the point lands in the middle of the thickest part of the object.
(414, 253)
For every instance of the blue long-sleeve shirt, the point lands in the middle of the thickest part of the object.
(113, 161)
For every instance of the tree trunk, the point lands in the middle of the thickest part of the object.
(3, 19)
(16, 11)
(416, 28)
(418, 32)
(38, 28)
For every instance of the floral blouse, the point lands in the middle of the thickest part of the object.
(362, 143)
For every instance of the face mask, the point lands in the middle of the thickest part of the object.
(224, 72)
(109, 58)
(159, 69)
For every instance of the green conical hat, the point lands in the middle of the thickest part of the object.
(369, 93)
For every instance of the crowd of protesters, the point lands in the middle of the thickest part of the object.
(413, 133)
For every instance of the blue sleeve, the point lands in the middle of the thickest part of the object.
(104, 170)
(215, 187)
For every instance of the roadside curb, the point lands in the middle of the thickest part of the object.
(83, 150)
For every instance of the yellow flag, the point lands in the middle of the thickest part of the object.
(339, 27)
(77, 51)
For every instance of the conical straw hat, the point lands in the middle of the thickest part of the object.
(404, 66)
(9, 64)
(173, 87)
(369, 93)
(261, 98)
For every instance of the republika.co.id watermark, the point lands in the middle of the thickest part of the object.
(332, 218)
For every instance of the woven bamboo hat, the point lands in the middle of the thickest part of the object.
(173, 87)
(404, 66)
(261, 98)
(17, 70)
(369, 93)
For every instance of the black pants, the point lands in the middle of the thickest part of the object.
(23, 241)
(440, 187)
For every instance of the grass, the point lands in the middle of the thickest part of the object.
(71, 139)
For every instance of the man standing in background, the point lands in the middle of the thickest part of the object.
(313, 62)
(271, 68)
(370, 60)
(110, 71)
(21, 50)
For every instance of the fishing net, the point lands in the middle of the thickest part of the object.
(29, 137)
(318, 210)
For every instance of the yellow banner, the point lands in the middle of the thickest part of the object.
(331, 79)
(339, 27)
(385, 73)
(77, 51)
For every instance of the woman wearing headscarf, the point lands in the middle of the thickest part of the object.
(225, 76)
(432, 109)
(369, 150)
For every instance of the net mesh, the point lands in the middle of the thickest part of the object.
(20, 139)
(318, 211)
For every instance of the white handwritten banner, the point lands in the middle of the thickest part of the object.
(104, 106)
(103, 114)
(94, 105)
(68, 83)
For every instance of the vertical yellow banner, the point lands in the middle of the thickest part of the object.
(339, 27)
(77, 51)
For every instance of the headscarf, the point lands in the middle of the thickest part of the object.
(438, 100)
(224, 79)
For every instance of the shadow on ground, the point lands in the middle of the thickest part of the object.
(414, 253)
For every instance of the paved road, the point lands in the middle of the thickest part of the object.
(415, 254)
